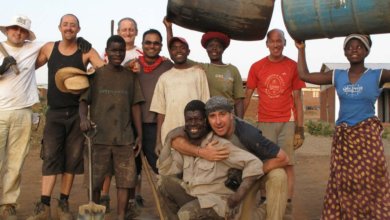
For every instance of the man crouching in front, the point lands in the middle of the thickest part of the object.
(204, 191)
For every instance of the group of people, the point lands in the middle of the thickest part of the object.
(187, 118)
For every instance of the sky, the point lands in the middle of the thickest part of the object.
(95, 21)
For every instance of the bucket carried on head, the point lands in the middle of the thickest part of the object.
(315, 19)
(240, 19)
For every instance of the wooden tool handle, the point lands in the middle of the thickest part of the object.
(5, 53)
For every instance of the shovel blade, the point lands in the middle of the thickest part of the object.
(92, 211)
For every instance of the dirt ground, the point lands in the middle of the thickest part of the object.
(312, 171)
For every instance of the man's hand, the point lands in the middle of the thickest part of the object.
(300, 44)
(231, 213)
(212, 153)
(299, 137)
(158, 148)
(233, 200)
(137, 147)
(133, 65)
(7, 63)
(167, 23)
(83, 45)
(85, 124)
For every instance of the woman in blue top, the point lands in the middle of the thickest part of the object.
(359, 183)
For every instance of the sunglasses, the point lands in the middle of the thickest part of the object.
(154, 43)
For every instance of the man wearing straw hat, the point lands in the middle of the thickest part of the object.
(18, 92)
(63, 141)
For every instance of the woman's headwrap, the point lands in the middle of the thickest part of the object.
(365, 39)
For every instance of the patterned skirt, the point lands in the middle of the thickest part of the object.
(359, 185)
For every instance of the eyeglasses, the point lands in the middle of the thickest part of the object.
(154, 43)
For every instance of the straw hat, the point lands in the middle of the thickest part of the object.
(71, 80)
(21, 21)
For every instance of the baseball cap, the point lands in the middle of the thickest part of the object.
(173, 39)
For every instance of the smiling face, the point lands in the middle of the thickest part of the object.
(128, 30)
(275, 44)
(16, 36)
(195, 124)
(116, 52)
(222, 123)
(355, 51)
(215, 50)
(69, 27)
(178, 52)
(151, 46)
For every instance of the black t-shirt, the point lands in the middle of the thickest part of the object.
(111, 96)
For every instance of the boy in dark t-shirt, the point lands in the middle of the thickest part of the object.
(114, 98)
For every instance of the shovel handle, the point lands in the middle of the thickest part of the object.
(89, 135)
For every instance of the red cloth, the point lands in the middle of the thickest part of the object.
(149, 67)
(275, 83)
(212, 35)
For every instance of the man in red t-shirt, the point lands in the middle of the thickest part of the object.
(280, 109)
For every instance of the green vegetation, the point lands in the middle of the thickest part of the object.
(318, 128)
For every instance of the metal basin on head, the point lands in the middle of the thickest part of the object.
(240, 19)
(313, 19)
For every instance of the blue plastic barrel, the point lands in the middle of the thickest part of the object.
(239, 19)
(313, 19)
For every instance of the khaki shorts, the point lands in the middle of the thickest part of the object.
(120, 159)
(281, 133)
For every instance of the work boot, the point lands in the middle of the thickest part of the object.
(140, 201)
(41, 212)
(132, 210)
(105, 200)
(288, 214)
(63, 210)
(260, 212)
(8, 212)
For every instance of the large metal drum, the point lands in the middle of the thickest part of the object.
(312, 19)
(240, 19)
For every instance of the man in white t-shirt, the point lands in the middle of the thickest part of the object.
(128, 29)
(175, 88)
(18, 92)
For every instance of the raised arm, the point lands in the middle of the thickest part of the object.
(315, 78)
(168, 27)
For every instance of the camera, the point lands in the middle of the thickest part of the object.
(234, 179)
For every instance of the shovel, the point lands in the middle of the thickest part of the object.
(152, 185)
(91, 211)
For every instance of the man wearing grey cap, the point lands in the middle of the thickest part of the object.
(226, 125)
(18, 92)
(208, 189)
